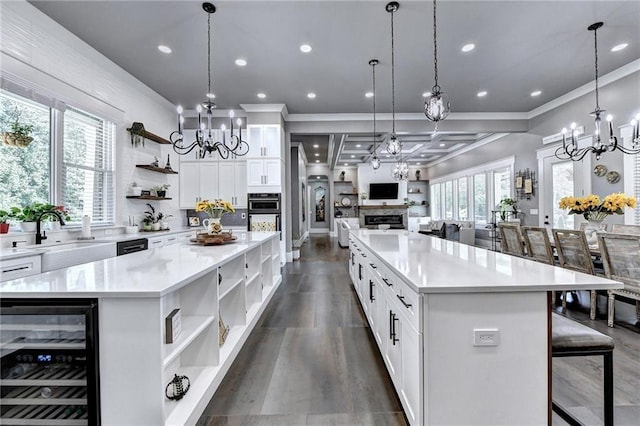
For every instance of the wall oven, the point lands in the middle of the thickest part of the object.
(264, 212)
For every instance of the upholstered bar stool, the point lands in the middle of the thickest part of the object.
(570, 338)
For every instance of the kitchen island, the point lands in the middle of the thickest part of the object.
(463, 331)
(214, 288)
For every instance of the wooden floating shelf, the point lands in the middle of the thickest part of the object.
(153, 137)
(348, 193)
(341, 181)
(148, 197)
(157, 169)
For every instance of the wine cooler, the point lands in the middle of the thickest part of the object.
(49, 362)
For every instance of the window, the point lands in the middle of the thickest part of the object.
(472, 193)
(480, 198)
(82, 180)
(25, 171)
(463, 199)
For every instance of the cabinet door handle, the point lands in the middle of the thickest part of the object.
(401, 298)
(386, 281)
(353, 258)
(373, 266)
(360, 271)
(364, 255)
(371, 298)
(393, 336)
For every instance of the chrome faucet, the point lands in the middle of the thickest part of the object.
(39, 237)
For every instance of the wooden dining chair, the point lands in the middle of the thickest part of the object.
(539, 248)
(573, 253)
(625, 229)
(621, 258)
(511, 238)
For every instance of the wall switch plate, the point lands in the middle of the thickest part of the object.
(486, 337)
(533, 211)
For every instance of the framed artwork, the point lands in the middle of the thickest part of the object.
(528, 186)
(320, 204)
(518, 181)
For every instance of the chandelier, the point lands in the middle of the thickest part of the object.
(401, 170)
(437, 106)
(205, 142)
(375, 161)
(394, 146)
(569, 149)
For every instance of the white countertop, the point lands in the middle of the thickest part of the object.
(434, 265)
(146, 273)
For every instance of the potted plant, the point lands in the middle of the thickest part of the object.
(20, 134)
(4, 225)
(505, 204)
(150, 219)
(28, 215)
(135, 189)
(161, 190)
(54, 223)
(163, 221)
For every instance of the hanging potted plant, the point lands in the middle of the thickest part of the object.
(19, 135)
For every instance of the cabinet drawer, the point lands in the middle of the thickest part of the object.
(21, 267)
(171, 239)
(408, 303)
(156, 242)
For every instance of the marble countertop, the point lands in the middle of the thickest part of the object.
(434, 265)
(148, 273)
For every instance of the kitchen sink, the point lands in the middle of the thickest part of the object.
(72, 253)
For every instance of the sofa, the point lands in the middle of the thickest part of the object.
(344, 225)
(463, 231)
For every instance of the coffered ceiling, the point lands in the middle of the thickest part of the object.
(520, 47)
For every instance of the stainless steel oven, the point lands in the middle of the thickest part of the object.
(264, 203)
(264, 212)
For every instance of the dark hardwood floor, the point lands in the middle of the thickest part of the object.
(312, 361)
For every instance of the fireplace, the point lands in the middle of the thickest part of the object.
(395, 220)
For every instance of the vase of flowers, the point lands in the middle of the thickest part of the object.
(596, 210)
(215, 209)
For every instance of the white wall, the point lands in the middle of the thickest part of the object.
(40, 54)
(367, 175)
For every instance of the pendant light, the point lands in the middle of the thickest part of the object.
(569, 149)
(394, 146)
(437, 106)
(375, 161)
(205, 141)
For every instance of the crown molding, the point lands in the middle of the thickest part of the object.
(585, 89)
(280, 108)
(406, 116)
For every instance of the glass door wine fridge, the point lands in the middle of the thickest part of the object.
(49, 362)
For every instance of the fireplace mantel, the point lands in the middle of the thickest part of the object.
(396, 207)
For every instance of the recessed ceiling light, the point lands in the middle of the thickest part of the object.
(317, 177)
(315, 145)
(317, 161)
(536, 93)
(261, 95)
(616, 48)
(388, 156)
(482, 94)
(417, 164)
(317, 155)
(358, 146)
(346, 164)
(241, 62)
(305, 48)
(369, 94)
(353, 156)
(426, 94)
(311, 95)
(421, 155)
(441, 144)
(468, 47)
(164, 49)
(211, 95)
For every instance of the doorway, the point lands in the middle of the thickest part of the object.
(318, 208)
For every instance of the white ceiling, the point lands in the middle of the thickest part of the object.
(522, 46)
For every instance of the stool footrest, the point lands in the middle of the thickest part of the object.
(566, 416)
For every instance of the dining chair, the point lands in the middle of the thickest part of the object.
(539, 248)
(625, 229)
(511, 238)
(573, 253)
(621, 258)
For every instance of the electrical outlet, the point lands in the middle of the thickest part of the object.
(533, 211)
(486, 337)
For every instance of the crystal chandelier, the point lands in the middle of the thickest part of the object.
(375, 161)
(205, 141)
(401, 170)
(437, 106)
(569, 149)
(394, 146)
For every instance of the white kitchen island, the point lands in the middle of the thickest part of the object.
(137, 292)
(463, 331)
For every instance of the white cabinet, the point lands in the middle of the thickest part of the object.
(233, 182)
(20, 267)
(264, 172)
(155, 242)
(198, 181)
(264, 141)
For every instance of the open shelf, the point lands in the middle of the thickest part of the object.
(192, 326)
(252, 277)
(228, 289)
(177, 412)
(153, 137)
(157, 169)
(148, 197)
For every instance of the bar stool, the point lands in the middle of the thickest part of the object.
(570, 338)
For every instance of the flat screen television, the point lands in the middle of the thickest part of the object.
(383, 191)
